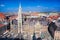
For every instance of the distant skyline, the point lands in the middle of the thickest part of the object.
(30, 5)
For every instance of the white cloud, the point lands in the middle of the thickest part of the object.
(36, 8)
(39, 6)
(2, 5)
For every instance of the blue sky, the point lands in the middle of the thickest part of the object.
(9, 5)
(30, 5)
(41, 5)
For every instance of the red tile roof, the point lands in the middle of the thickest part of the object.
(54, 17)
(34, 14)
(13, 17)
(1, 25)
(2, 15)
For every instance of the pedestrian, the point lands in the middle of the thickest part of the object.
(16, 39)
(39, 38)
(34, 37)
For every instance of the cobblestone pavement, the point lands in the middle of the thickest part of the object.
(40, 30)
(30, 27)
